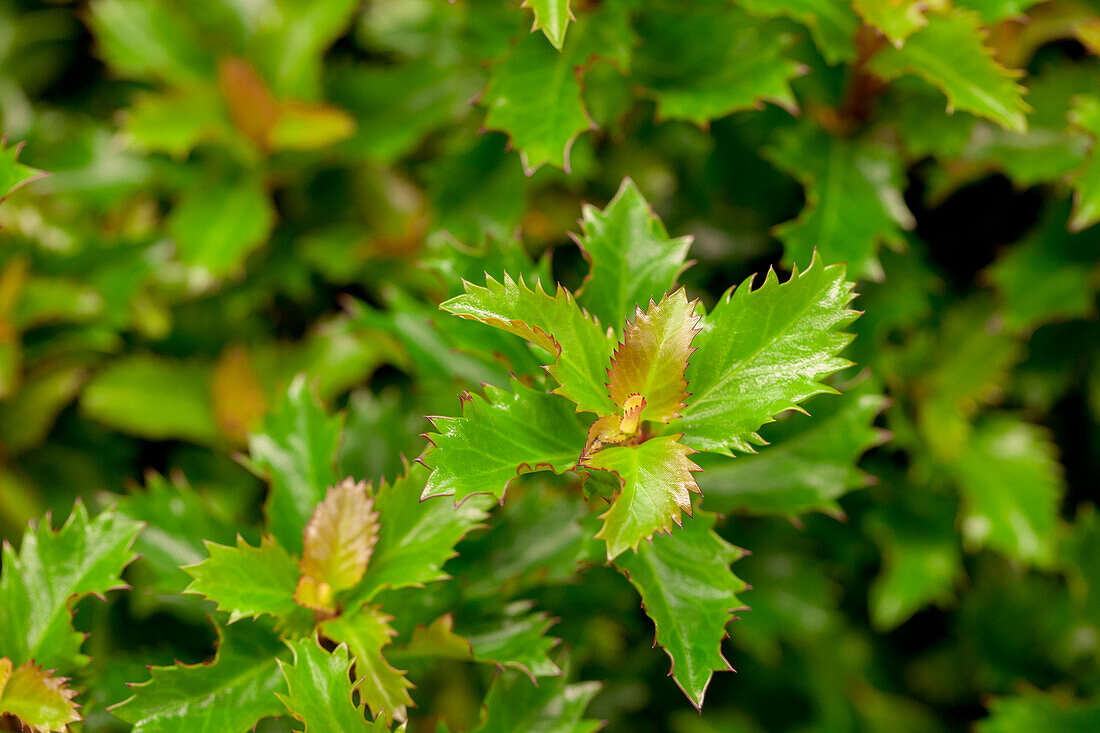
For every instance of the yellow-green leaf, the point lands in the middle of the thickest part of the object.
(656, 485)
(366, 630)
(337, 544)
(42, 702)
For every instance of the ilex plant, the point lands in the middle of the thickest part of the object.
(38, 586)
(304, 616)
(628, 403)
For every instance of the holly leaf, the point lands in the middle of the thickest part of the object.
(581, 349)
(651, 360)
(229, 694)
(247, 581)
(177, 519)
(1085, 181)
(339, 539)
(950, 52)
(535, 96)
(14, 174)
(762, 352)
(149, 41)
(994, 11)
(897, 19)
(968, 362)
(832, 25)
(154, 397)
(656, 483)
(1049, 276)
(499, 437)
(514, 704)
(1011, 485)
(415, 537)
(1032, 710)
(53, 570)
(631, 259)
(366, 630)
(319, 689)
(504, 562)
(551, 17)
(854, 200)
(516, 641)
(809, 466)
(702, 62)
(216, 226)
(43, 703)
(690, 594)
(921, 560)
(297, 447)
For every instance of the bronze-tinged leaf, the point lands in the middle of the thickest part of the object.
(239, 403)
(651, 360)
(41, 702)
(252, 107)
(337, 544)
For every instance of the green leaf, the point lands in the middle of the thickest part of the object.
(832, 25)
(416, 537)
(854, 199)
(656, 485)
(1033, 710)
(319, 689)
(1049, 276)
(39, 700)
(921, 560)
(968, 362)
(705, 61)
(397, 105)
(630, 256)
(227, 695)
(762, 352)
(897, 19)
(994, 11)
(54, 569)
(247, 581)
(516, 640)
(154, 397)
(514, 704)
(1011, 486)
(651, 360)
(535, 97)
(580, 347)
(176, 121)
(365, 630)
(14, 174)
(27, 417)
(950, 52)
(297, 447)
(499, 437)
(551, 17)
(216, 226)
(505, 562)
(1086, 179)
(812, 463)
(177, 520)
(149, 41)
(689, 592)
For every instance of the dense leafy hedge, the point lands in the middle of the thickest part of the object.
(273, 235)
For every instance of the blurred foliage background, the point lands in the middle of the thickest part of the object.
(242, 191)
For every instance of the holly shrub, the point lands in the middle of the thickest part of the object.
(751, 333)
